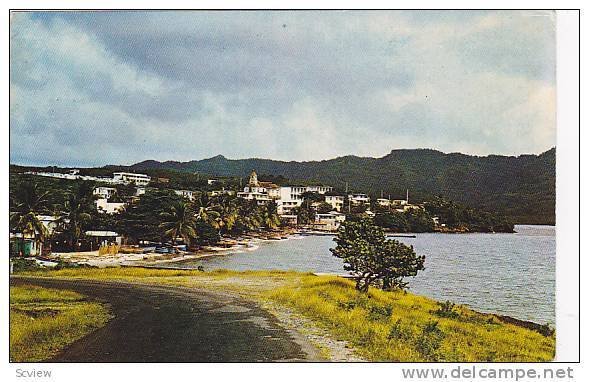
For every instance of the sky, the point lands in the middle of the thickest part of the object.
(97, 88)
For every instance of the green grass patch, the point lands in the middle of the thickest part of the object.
(43, 321)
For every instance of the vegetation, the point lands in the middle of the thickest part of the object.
(43, 321)
(179, 221)
(158, 216)
(452, 216)
(24, 207)
(521, 188)
(372, 258)
(379, 325)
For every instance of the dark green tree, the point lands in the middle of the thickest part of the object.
(179, 221)
(373, 259)
(25, 204)
(76, 213)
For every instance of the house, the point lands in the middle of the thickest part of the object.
(163, 180)
(330, 221)
(24, 246)
(358, 199)
(130, 177)
(29, 245)
(287, 197)
(220, 192)
(102, 238)
(104, 192)
(383, 202)
(292, 196)
(289, 219)
(190, 195)
(140, 191)
(256, 190)
(336, 201)
(104, 206)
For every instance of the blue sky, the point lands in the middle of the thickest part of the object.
(96, 88)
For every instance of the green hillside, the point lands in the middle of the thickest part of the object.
(522, 187)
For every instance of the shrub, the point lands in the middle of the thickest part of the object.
(447, 310)
(429, 341)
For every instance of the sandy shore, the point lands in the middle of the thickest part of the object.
(248, 242)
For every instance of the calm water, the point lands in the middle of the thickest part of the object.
(510, 274)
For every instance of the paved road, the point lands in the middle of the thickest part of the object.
(174, 324)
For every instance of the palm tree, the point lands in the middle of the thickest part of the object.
(249, 216)
(76, 213)
(269, 215)
(26, 203)
(179, 220)
(228, 214)
(205, 210)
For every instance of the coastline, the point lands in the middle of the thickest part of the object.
(506, 338)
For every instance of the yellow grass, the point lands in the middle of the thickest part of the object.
(381, 326)
(397, 326)
(43, 321)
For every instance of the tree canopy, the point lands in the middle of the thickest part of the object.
(372, 258)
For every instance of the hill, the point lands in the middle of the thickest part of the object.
(522, 187)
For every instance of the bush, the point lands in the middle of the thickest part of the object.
(430, 340)
(22, 264)
(447, 310)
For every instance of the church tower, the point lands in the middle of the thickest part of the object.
(253, 179)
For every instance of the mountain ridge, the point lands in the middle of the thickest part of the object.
(521, 187)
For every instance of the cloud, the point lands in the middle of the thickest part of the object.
(93, 88)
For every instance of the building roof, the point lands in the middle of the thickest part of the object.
(101, 233)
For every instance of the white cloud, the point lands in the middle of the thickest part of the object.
(293, 86)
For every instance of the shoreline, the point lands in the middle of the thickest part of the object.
(247, 242)
(276, 287)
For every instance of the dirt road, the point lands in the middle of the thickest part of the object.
(175, 324)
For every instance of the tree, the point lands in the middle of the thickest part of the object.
(394, 221)
(76, 213)
(372, 258)
(141, 220)
(179, 220)
(26, 203)
(304, 215)
(324, 208)
(206, 210)
(269, 215)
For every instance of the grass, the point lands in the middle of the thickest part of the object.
(44, 321)
(381, 326)
(399, 326)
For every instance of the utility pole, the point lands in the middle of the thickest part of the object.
(407, 197)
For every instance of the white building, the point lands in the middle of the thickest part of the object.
(292, 196)
(287, 197)
(104, 206)
(190, 195)
(357, 199)
(383, 202)
(104, 192)
(329, 222)
(256, 190)
(335, 201)
(140, 191)
(220, 192)
(129, 177)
